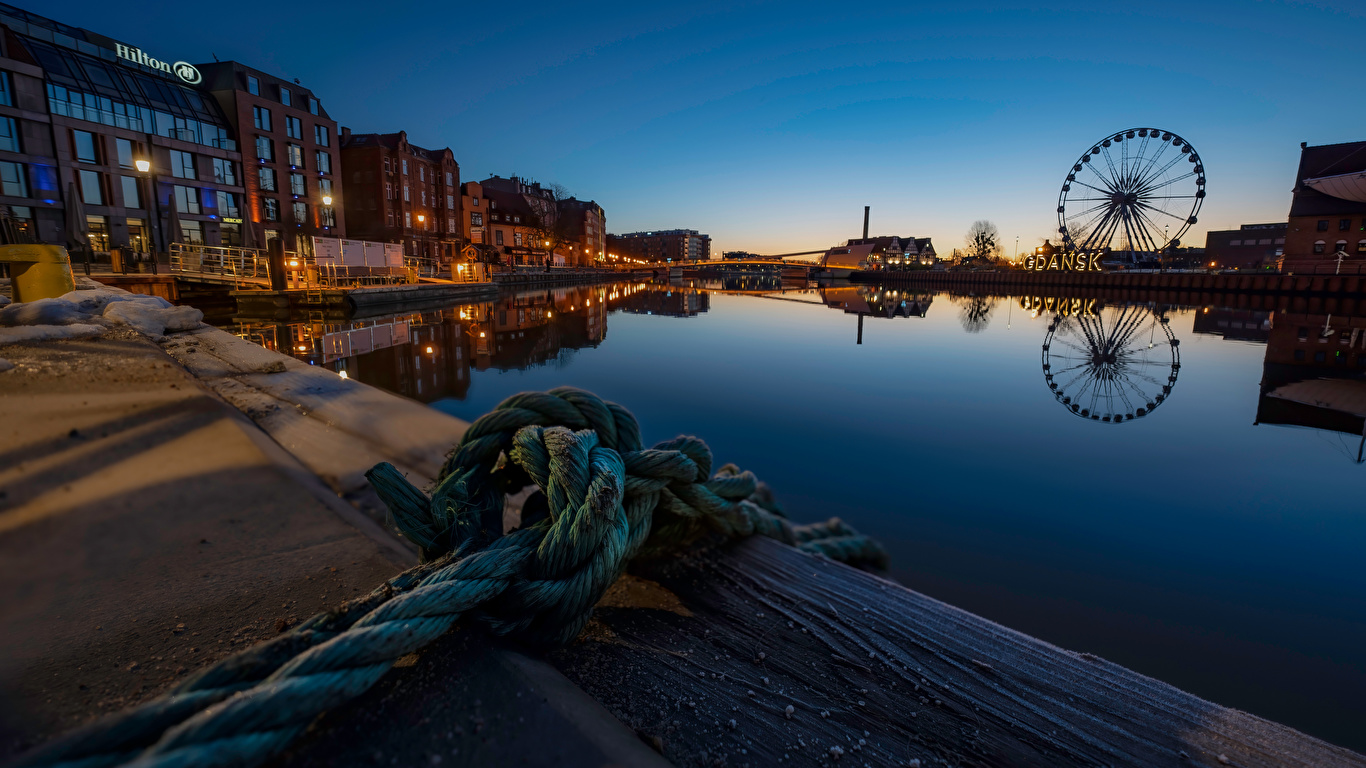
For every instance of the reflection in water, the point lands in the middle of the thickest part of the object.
(1314, 375)
(1174, 574)
(1111, 363)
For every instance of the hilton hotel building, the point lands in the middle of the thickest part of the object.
(230, 146)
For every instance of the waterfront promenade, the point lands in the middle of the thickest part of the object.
(210, 511)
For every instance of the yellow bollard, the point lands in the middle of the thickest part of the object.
(38, 271)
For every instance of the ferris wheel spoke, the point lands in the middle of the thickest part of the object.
(1167, 183)
(1149, 177)
(1152, 234)
(1155, 209)
(1152, 162)
(1105, 204)
(1137, 161)
(1106, 192)
(1093, 227)
(1109, 161)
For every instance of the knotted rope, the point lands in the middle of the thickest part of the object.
(605, 500)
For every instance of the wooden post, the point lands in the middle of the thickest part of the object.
(275, 253)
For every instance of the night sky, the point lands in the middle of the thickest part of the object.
(771, 125)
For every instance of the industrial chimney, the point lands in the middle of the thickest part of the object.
(865, 221)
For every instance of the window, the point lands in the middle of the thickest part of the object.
(294, 127)
(297, 187)
(406, 199)
(450, 223)
(405, 167)
(407, 218)
(84, 142)
(1323, 225)
(516, 238)
(6, 92)
(1344, 225)
(12, 180)
(227, 204)
(325, 186)
(9, 135)
(253, 86)
(187, 200)
(132, 192)
(224, 171)
(98, 227)
(272, 209)
(386, 165)
(388, 190)
(320, 135)
(422, 173)
(450, 201)
(389, 218)
(1318, 246)
(516, 219)
(125, 150)
(192, 231)
(1340, 245)
(477, 219)
(423, 193)
(286, 97)
(265, 149)
(92, 192)
(182, 165)
(324, 161)
(260, 117)
(476, 202)
(312, 105)
(1361, 246)
(449, 179)
(498, 237)
(1235, 242)
(267, 178)
(295, 155)
(1264, 241)
(328, 216)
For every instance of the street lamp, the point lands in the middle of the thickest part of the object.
(144, 166)
(327, 200)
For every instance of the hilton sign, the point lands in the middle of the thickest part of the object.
(181, 69)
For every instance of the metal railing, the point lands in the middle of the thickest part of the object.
(236, 264)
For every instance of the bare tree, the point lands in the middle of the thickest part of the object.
(974, 312)
(545, 227)
(983, 241)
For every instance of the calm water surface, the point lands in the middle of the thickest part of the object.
(1189, 542)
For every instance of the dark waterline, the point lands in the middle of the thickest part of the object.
(1189, 542)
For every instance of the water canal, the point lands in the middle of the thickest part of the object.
(1211, 536)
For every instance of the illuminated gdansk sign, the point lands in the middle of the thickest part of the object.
(181, 69)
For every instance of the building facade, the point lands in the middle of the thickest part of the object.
(661, 245)
(288, 143)
(1328, 210)
(585, 226)
(1249, 247)
(79, 111)
(399, 192)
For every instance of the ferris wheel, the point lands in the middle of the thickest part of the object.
(1112, 364)
(1135, 192)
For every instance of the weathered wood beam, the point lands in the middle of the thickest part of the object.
(704, 656)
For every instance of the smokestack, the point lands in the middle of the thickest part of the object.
(865, 221)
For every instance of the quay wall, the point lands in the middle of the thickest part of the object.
(1185, 282)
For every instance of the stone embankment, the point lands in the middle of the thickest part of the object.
(171, 494)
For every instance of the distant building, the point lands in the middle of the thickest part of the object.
(740, 255)
(1240, 324)
(1248, 247)
(398, 192)
(1328, 211)
(894, 252)
(661, 245)
(517, 212)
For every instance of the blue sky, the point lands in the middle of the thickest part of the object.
(770, 125)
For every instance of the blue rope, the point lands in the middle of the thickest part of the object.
(609, 501)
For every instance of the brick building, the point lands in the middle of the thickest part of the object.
(510, 216)
(399, 192)
(287, 140)
(1328, 211)
(1248, 247)
(661, 245)
(586, 226)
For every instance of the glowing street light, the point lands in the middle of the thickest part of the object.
(327, 199)
(143, 165)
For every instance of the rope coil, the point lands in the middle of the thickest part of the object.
(605, 500)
